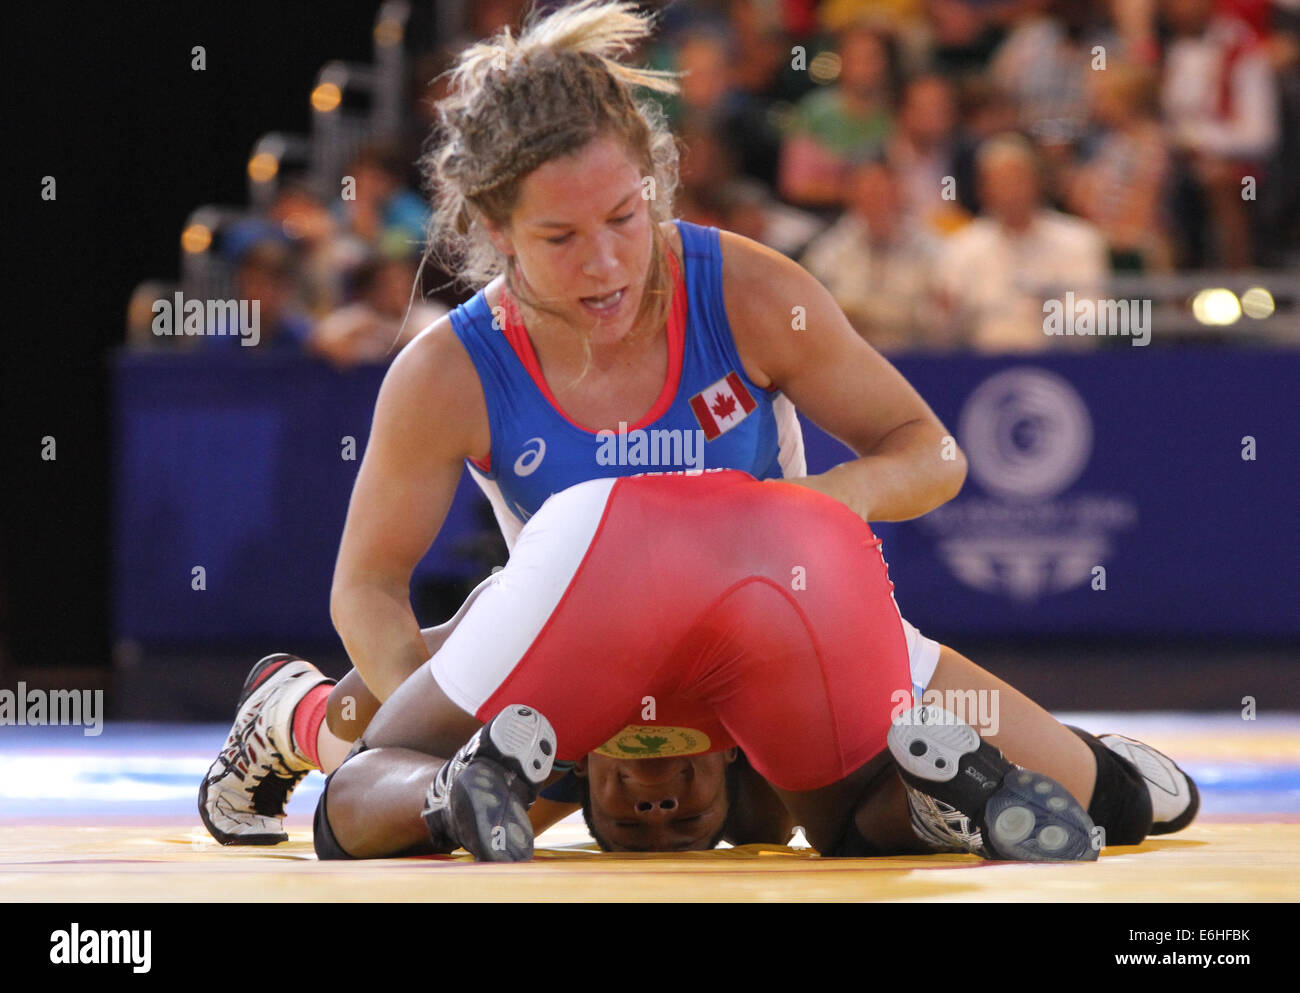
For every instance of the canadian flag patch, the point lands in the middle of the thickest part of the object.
(722, 406)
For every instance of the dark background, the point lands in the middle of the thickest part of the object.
(102, 98)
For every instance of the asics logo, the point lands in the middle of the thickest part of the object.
(528, 462)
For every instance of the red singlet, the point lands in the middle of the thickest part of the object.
(673, 614)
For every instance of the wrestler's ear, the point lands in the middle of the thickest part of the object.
(500, 238)
(730, 755)
(580, 767)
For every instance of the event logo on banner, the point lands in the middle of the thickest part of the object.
(1027, 435)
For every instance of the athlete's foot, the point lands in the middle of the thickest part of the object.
(480, 798)
(943, 828)
(243, 796)
(1175, 800)
(1019, 815)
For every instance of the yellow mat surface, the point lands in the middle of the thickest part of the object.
(1258, 861)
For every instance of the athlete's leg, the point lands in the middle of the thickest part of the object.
(1025, 733)
(1114, 794)
(242, 800)
(372, 803)
(376, 798)
(331, 750)
(352, 705)
(351, 709)
(865, 814)
(882, 821)
(397, 796)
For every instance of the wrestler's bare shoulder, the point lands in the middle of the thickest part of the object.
(433, 380)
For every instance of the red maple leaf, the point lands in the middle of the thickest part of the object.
(723, 405)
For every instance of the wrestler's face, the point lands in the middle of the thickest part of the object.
(658, 805)
(581, 233)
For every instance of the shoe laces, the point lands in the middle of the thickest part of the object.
(271, 793)
(276, 781)
(943, 826)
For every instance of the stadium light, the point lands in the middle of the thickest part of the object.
(196, 239)
(263, 167)
(1257, 302)
(1216, 306)
(326, 97)
(824, 68)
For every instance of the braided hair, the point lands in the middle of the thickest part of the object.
(517, 103)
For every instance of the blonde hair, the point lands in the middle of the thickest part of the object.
(515, 104)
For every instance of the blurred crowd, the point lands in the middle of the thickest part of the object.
(941, 166)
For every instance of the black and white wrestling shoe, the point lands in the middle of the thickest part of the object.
(1175, 800)
(243, 796)
(480, 798)
(1020, 815)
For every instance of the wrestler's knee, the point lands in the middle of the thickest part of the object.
(334, 826)
(1121, 802)
(350, 708)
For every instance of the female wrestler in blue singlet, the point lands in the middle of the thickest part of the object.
(554, 193)
(606, 340)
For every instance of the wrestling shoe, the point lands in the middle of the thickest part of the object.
(1020, 815)
(243, 795)
(943, 828)
(480, 797)
(1175, 800)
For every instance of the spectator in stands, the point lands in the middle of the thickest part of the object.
(1220, 103)
(840, 124)
(1119, 184)
(709, 101)
(985, 111)
(903, 20)
(932, 158)
(1045, 62)
(264, 267)
(707, 165)
(487, 17)
(762, 63)
(325, 258)
(964, 34)
(385, 314)
(714, 193)
(999, 269)
(1279, 201)
(881, 265)
(383, 208)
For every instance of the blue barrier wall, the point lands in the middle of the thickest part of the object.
(1128, 461)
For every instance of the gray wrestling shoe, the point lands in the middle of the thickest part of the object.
(1020, 815)
(480, 798)
(1175, 800)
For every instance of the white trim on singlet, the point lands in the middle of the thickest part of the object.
(922, 652)
(922, 657)
(512, 606)
(789, 439)
(507, 520)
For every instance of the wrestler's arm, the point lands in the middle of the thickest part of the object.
(790, 333)
(546, 813)
(758, 817)
(429, 416)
